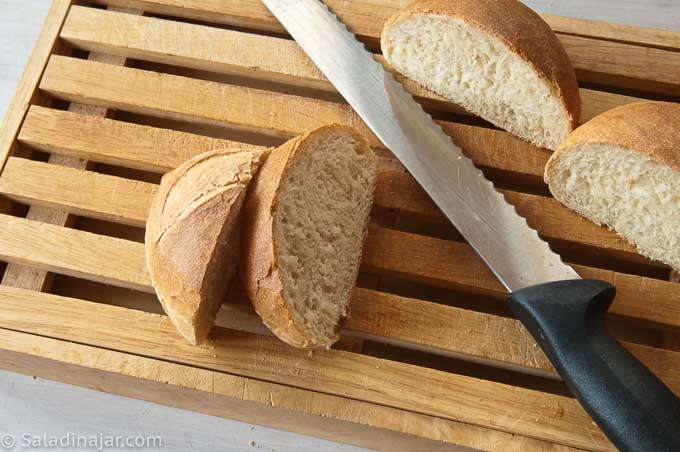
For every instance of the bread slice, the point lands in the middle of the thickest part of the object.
(305, 222)
(497, 59)
(622, 169)
(192, 236)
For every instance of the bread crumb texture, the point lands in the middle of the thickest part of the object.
(307, 214)
(469, 63)
(621, 170)
(319, 227)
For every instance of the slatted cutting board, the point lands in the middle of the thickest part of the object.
(118, 92)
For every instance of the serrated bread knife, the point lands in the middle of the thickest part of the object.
(564, 313)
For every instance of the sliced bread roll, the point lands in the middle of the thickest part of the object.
(622, 169)
(305, 222)
(192, 236)
(496, 58)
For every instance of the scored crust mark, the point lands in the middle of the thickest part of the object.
(305, 222)
(193, 234)
(497, 59)
(622, 169)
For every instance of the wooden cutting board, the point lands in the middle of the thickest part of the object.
(118, 92)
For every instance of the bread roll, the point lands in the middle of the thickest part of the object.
(622, 169)
(495, 58)
(305, 223)
(192, 236)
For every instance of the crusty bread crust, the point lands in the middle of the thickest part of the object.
(522, 30)
(645, 128)
(185, 242)
(649, 128)
(259, 263)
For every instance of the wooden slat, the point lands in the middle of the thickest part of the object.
(114, 142)
(250, 400)
(77, 191)
(399, 191)
(454, 397)
(127, 201)
(615, 32)
(592, 58)
(456, 265)
(368, 17)
(159, 150)
(624, 65)
(120, 262)
(237, 53)
(471, 335)
(29, 278)
(277, 115)
(175, 97)
(75, 253)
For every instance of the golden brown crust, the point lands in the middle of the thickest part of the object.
(649, 128)
(259, 269)
(521, 29)
(188, 231)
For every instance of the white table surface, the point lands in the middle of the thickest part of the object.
(36, 406)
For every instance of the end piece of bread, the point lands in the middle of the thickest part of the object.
(305, 222)
(192, 236)
(622, 169)
(496, 58)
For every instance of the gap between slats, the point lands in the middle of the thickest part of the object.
(332, 372)
(237, 53)
(152, 149)
(221, 394)
(596, 60)
(448, 264)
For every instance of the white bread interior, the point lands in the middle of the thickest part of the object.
(631, 192)
(480, 72)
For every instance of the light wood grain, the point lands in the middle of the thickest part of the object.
(238, 53)
(454, 264)
(624, 65)
(471, 335)
(410, 256)
(273, 114)
(117, 143)
(437, 261)
(249, 400)
(158, 150)
(29, 278)
(77, 191)
(544, 416)
(127, 201)
(596, 60)
(175, 97)
(631, 34)
(127, 269)
(368, 18)
(75, 253)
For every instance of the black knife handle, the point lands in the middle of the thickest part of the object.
(630, 404)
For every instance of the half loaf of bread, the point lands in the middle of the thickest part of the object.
(305, 222)
(192, 236)
(622, 169)
(496, 58)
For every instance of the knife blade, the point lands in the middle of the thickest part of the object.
(514, 252)
(563, 313)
